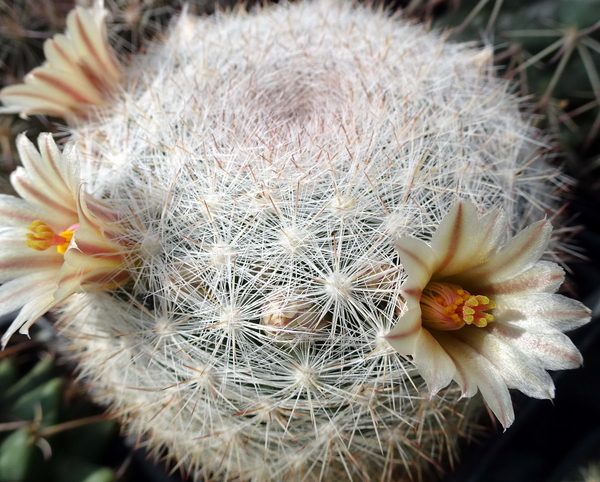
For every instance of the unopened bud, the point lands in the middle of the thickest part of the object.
(287, 316)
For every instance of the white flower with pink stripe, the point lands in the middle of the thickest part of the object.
(56, 240)
(483, 312)
(80, 72)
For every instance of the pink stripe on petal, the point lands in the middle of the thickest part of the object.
(412, 292)
(404, 333)
(98, 250)
(87, 206)
(541, 312)
(101, 279)
(16, 212)
(450, 233)
(81, 68)
(518, 369)
(479, 372)
(418, 260)
(554, 351)
(71, 281)
(53, 79)
(82, 31)
(29, 98)
(15, 267)
(56, 54)
(456, 351)
(40, 169)
(464, 241)
(94, 210)
(69, 61)
(60, 214)
(54, 162)
(40, 81)
(543, 277)
(14, 293)
(518, 255)
(89, 37)
(90, 263)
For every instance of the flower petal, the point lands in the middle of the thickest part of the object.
(541, 312)
(10, 268)
(553, 351)
(543, 277)
(522, 341)
(518, 369)
(59, 87)
(418, 261)
(27, 100)
(463, 241)
(92, 260)
(16, 293)
(405, 332)
(433, 363)
(478, 372)
(38, 304)
(17, 212)
(90, 263)
(518, 255)
(46, 204)
(86, 28)
(456, 351)
(16, 259)
(44, 184)
(60, 53)
(96, 216)
(79, 72)
(43, 171)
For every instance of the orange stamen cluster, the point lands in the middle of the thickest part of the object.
(43, 236)
(447, 306)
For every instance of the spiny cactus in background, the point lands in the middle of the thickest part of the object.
(552, 48)
(261, 170)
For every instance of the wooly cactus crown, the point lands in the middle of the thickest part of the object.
(260, 167)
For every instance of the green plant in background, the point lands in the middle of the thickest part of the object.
(45, 434)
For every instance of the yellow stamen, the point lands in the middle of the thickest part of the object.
(446, 306)
(43, 236)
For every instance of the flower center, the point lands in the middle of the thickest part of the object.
(446, 306)
(43, 236)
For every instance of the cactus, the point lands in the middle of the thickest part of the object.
(551, 48)
(260, 168)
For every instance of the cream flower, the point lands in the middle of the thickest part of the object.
(484, 313)
(80, 71)
(56, 240)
